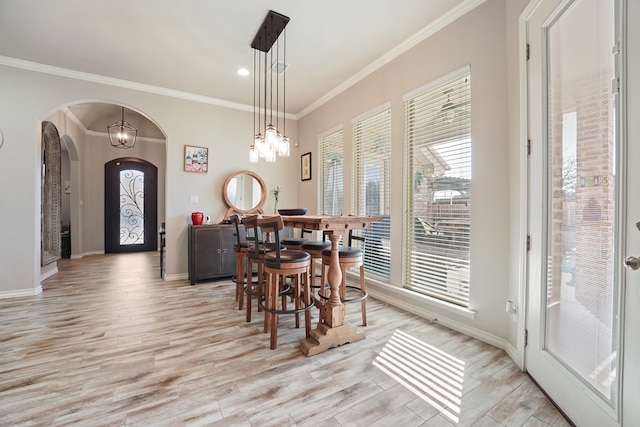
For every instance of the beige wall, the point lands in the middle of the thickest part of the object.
(478, 39)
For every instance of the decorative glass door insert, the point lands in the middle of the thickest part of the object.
(131, 207)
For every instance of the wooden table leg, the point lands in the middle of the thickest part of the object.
(332, 330)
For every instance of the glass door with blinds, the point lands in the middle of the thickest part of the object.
(438, 188)
(578, 201)
(371, 134)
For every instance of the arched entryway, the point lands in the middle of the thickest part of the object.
(82, 124)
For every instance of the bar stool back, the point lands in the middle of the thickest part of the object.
(255, 255)
(240, 247)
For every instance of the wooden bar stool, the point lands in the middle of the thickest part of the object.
(349, 257)
(278, 265)
(315, 248)
(255, 255)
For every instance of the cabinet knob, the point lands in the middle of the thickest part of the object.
(217, 250)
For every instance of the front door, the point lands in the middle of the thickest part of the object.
(581, 300)
(130, 205)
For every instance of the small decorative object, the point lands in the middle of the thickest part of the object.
(289, 212)
(197, 217)
(196, 159)
(276, 194)
(305, 167)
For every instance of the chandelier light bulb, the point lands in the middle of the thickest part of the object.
(271, 154)
(285, 147)
(270, 135)
(253, 154)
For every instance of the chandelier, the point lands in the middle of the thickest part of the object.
(268, 141)
(122, 134)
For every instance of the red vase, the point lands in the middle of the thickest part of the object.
(196, 218)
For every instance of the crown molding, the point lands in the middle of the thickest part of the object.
(446, 19)
(74, 119)
(109, 81)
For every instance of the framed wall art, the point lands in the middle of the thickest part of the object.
(196, 159)
(305, 167)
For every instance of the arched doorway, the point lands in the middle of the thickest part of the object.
(82, 125)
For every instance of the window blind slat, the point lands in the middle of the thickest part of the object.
(438, 190)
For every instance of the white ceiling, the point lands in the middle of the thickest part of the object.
(196, 46)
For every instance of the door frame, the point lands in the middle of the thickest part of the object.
(111, 216)
(627, 411)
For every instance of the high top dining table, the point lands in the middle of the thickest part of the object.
(332, 329)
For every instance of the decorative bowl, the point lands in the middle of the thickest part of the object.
(297, 211)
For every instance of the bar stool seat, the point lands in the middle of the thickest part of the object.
(348, 257)
(293, 242)
(278, 265)
(315, 248)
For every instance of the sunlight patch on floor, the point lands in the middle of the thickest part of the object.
(433, 375)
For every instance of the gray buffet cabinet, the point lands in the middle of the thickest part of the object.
(211, 252)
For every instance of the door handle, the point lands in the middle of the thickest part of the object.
(632, 263)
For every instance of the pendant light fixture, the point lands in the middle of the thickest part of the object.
(122, 134)
(272, 142)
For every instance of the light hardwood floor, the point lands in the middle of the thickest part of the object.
(108, 343)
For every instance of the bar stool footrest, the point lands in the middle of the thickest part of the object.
(346, 300)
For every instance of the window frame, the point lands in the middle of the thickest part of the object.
(365, 152)
(440, 267)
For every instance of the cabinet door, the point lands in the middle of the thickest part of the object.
(205, 245)
(227, 255)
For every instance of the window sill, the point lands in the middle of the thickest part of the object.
(413, 301)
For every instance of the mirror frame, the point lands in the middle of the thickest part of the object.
(234, 209)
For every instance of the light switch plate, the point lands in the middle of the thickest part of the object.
(193, 199)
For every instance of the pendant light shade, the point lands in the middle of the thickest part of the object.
(122, 134)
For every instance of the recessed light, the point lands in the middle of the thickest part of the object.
(243, 72)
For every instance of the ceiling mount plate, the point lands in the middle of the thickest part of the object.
(269, 31)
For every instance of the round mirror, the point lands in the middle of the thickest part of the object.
(244, 192)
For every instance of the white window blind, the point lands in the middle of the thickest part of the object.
(372, 185)
(438, 189)
(331, 172)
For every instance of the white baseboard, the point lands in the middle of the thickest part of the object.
(398, 298)
(511, 351)
(21, 293)
(92, 253)
(172, 277)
